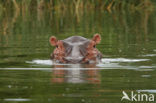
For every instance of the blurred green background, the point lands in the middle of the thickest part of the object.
(127, 27)
(128, 31)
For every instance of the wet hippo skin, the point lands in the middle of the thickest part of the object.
(76, 49)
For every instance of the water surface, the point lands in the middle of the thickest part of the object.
(27, 75)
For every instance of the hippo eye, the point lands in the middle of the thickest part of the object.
(94, 46)
(56, 46)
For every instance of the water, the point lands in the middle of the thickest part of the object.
(27, 75)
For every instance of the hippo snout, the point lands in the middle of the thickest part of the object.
(76, 49)
(73, 59)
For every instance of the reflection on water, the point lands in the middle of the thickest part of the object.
(78, 82)
(106, 63)
(107, 60)
(17, 99)
(76, 75)
(150, 91)
(41, 62)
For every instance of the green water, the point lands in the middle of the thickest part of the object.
(27, 75)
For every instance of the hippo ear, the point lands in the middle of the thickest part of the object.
(53, 41)
(97, 38)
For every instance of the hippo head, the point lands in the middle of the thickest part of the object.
(76, 49)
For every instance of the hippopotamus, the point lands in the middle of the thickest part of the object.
(76, 49)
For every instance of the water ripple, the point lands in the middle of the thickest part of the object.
(17, 99)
